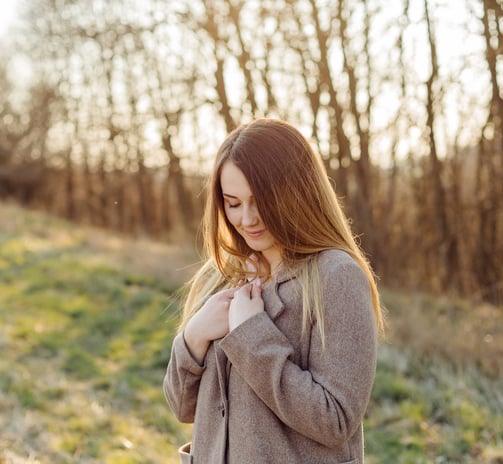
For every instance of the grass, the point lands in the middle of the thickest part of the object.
(85, 338)
(428, 411)
(457, 331)
(86, 322)
(437, 396)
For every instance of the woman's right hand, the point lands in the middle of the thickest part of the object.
(210, 323)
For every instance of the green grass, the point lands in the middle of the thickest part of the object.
(86, 323)
(426, 411)
(84, 347)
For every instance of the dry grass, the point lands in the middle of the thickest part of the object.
(457, 331)
(171, 263)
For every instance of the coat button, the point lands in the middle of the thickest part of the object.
(221, 408)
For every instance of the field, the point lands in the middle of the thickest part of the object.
(86, 322)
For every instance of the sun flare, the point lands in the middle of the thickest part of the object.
(7, 14)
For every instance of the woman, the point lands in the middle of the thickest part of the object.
(278, 369)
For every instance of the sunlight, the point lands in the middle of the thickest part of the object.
(7, 14)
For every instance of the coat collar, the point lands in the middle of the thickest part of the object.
(273, 303)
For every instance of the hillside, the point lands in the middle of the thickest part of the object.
(86, 321)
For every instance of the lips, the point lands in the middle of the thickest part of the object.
(254, 234)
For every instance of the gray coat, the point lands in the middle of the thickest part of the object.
(267, 393)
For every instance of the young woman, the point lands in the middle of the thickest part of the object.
(275, 359)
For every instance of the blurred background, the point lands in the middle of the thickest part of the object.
(111, 113)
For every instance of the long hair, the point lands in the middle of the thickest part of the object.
(298, 206)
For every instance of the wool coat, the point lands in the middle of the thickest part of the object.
(269, 393)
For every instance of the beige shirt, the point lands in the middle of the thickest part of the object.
(267, 393)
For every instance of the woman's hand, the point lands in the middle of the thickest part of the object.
(246, 303)
(209, 323)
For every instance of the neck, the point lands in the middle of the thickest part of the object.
(274, 260)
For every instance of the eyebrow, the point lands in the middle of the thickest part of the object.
(227, 195)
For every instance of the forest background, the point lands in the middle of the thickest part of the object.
(111, 113)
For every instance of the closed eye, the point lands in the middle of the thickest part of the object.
(231, 201)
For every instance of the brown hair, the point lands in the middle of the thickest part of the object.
(296, 203)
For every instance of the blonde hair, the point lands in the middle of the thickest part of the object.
(298, 206)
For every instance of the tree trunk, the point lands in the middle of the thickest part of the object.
(440, 216)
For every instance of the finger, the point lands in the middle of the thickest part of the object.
(245, 290)
(228, 293)
(256, 290)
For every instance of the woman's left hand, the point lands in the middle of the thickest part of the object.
(246, 303)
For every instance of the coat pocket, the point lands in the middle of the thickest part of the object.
(184, 453)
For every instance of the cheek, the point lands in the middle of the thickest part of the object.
(232, 216)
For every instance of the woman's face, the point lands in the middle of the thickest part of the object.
(241, 211)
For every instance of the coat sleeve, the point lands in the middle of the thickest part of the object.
(326, 402)
(181, 382)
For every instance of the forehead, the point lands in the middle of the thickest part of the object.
(233, 182)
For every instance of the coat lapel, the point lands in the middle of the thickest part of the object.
(273, 303)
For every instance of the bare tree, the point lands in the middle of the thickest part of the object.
(439, 207)
(490, 159)
(128, 110)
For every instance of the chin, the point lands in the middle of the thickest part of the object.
(259, 246)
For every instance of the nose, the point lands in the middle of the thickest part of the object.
(250, 216)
